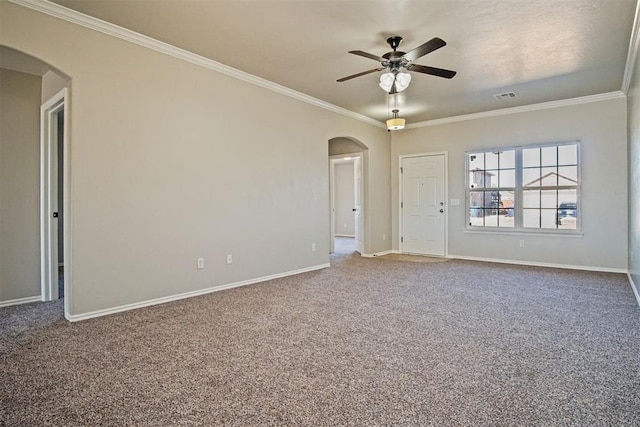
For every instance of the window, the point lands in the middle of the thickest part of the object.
(492, 178)
(524, 188)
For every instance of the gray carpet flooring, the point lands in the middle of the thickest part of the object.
(365, 342)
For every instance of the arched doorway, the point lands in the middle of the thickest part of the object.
(40, 145)
(347, 165)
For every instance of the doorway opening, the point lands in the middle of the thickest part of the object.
(54, 200)
(346, 190)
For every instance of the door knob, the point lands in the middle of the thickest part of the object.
(441, 210)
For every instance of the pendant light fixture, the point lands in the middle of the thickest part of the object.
(394, 102)
(395, 123)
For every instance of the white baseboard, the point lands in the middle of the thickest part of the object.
(541, 264)
(162, 300)
(18, 301)
(633, 286)
(376, 254)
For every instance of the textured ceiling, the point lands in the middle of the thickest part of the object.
(543, 50)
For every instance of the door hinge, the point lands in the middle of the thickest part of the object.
(401, 170)
(401, 205)
(401, 239)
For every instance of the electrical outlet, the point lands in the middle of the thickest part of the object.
(200, 263)
(229, 259)
(384, 237)
(313, 247)
(522, 243)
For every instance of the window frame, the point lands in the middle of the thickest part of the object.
(519, 189)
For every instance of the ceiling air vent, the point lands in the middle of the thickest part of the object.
(506, 95)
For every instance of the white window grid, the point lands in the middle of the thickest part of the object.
(519, 189)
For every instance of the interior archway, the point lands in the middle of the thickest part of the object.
(36, 161)
(348, 156)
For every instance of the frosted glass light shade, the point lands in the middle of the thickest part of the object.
(402, 81)
(386, 81)
(395, 124)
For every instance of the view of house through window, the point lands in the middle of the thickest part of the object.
(533, 187)
(550, 187)
(492, 178)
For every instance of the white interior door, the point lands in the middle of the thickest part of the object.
(357, 201)
(49, 197)
(423, 205)
(53, 170)
(332, 205)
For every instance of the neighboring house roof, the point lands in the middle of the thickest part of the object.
(538, 180)
(482, 170)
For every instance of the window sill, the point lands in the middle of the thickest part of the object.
(574, 234)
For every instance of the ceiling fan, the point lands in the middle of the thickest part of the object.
(395, 80)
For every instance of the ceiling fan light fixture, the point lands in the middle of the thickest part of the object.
(386, 81)
(395, 123)
(402, 81)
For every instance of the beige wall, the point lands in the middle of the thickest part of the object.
(52, 83)
(601, 128)
(19, 185)
(634, 174)
(171, 162)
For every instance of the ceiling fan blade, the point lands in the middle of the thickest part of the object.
(430, 46)
(353, 76)
(368, 55)
(440, 72)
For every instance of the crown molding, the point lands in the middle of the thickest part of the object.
(522, 109)
(632, 53)
(72, 16)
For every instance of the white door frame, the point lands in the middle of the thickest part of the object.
(358, 191)
(332, 197)
(446, 196)
(49, 202)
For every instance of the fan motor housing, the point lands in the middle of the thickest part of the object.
(394, 42)
(396, 55)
